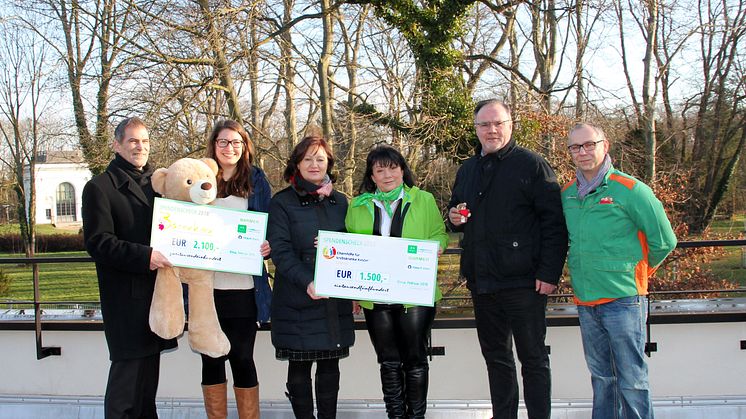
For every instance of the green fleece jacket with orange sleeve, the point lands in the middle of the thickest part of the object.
(618, 235)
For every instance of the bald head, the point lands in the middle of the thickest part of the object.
(588, 147)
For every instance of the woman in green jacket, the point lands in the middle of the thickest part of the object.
(390, 205)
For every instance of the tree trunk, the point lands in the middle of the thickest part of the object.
(619, 9)
(325, 91)
(288, 68)
(108, 54)
(649, 90)
(544, 36)
(514, 62)
(222, 66)
(75, 62)
(253, 67)
(580, 54)
(352, 44)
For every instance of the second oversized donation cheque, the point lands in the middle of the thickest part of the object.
(207, 237)
(374, 268)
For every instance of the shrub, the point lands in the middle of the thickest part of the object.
(59, 243)
(11, 243)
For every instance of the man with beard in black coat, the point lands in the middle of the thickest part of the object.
(117, 216)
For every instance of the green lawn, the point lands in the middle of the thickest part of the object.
(729, 266)
(731, 227)
(57, 281)
(41, 229)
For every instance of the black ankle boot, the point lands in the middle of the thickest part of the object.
(392, 384)
(327, 389)
(301, 399)
(416, 379)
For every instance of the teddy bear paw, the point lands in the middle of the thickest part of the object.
(166, 328)
(215, 348)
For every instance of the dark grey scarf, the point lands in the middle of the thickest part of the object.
(585, 187)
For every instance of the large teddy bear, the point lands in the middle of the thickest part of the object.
(193, 181)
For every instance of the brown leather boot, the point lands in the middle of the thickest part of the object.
(247, 401)
(216, 400)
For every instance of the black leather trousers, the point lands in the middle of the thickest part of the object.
(399, 336)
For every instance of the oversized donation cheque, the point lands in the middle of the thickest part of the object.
(374, 268)
(208, 237)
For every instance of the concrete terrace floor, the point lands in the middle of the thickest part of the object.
(41, 407)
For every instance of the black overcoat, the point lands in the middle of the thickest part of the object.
(117, 213)
(516, 233)
(299, 322)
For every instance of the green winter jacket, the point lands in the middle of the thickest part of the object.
(619, 234)
(422, 221)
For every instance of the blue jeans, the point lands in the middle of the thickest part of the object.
(517, 314)
(614, 346)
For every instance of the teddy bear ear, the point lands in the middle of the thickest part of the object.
(158, 180)
(212, 164)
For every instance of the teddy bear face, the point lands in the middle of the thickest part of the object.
(188, 180)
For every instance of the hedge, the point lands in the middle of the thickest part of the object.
(11, 243)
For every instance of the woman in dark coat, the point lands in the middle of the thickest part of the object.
(307, 328)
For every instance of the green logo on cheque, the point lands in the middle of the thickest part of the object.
(412, 249)
(242, 228)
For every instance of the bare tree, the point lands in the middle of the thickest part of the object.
(581, 41)
(646, 19)
(287, 63)
(352, 38)
(544, 35)
(480, 42)
(392, 69)
(23, 77)
(650, 87)
(189, 37)
(324, 73)
(674, 32)
(81, 32)
(720, 118)
(587, 16)
(537, 35)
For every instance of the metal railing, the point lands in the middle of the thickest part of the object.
(45, 351)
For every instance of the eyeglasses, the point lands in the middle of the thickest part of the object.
(588, 147)
(223, 143)
(488, 124)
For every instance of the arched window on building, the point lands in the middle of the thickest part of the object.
(66, 203)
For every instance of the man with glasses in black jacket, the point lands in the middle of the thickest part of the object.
(506, 201)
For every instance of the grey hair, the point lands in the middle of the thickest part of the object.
(127, 122)
(482, 103)
(595, 128)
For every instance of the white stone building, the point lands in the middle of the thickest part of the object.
(60, 178)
